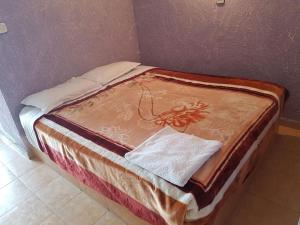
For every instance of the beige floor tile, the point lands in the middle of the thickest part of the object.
(57, 193)
(293, 197)
(20, 165)
(53, 220)
(256, 211)
(30, 212)
(271, 186)
(278, 172)
(284, 157)
(110, 219)
(295, 172)
(278, 158)
(39, 177)
(7, 154)
(292, 150)
(6, 176)
(82, 210)
(12, 194)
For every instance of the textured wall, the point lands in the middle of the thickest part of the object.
(51, 40)
(7, 125)
(255, 39)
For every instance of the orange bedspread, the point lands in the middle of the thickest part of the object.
(90, 137)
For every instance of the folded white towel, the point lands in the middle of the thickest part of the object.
(172, 155)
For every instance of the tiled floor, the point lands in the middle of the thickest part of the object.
(33, 194)
(273, 194)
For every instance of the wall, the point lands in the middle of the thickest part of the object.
(8, 130)
(50, 41)
(254, 39)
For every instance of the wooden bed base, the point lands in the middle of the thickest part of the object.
(222, 212)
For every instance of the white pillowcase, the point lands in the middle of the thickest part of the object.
(110, 72)
(49, 99)
(77, 87)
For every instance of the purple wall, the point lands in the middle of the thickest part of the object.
(254, 39)
(50, 41)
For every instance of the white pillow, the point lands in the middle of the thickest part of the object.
(48, 99)
(110, 72)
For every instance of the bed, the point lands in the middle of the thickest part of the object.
(89, 136)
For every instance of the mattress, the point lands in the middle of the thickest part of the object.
(90, 136)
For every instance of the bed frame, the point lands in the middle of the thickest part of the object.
(220, 215)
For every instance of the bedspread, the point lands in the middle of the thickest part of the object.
(90, 137)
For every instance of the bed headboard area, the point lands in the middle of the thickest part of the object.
(49, 41)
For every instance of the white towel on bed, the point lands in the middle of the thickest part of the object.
(172, 155)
